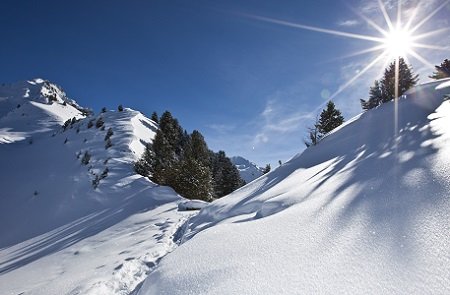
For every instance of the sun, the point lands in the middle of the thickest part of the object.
(399, 39)
(398, 42)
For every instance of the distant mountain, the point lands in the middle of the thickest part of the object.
(249, 171)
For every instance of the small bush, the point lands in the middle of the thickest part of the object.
(120, 108)
(66, 124)
(104, 173)
(99, 122)
(96, 181)
(109, 134)
(90, 123)
(103, 110)
(86, 158)
(108, 144)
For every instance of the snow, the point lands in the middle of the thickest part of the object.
(192, 205)
(59, 234)
(367, 211)
(248, 171)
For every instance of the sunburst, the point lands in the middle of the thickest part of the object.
(399, 39)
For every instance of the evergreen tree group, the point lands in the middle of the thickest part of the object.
(184, 162)
(442, 71)
(384, 90)
(328, 120)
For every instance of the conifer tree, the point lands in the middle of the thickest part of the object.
(155, 118)
(330, 118)
(167, 148)
(406, 80)
(193, 179)
(375, 97)
(144, 165)
(442, 71)
(266, 169)
(225, 174)
(193, 174)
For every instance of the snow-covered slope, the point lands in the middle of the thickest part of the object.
(32, 107)
(247, 170)
(74, 217)
(367, 211)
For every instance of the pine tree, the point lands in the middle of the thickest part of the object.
(154, 117)
(266, 169)
(375, 97)
(442, 71)
(330, 118)
(192, 179)
(225, 175)
(406, 80)
(167, 148)
(196, 148)
(144, 166)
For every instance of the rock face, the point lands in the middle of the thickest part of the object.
(248, 171)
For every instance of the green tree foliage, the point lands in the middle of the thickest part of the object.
(330, 118)
(155, 118)
(184, 162)
(375, 97)
(442, 71)
(225, 174)
(144, 166)
(167, 147)
(99, 122)
(406, 80)
(192, 179)
(266, 169)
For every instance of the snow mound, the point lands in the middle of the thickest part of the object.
(366, 211)
(192, 205)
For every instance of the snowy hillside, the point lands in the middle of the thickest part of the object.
(32, 107)
(74, 217)
(367, 211)
(247, 170)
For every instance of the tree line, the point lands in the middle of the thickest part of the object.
(382, 91)
(184, 162)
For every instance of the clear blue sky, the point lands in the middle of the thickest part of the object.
(250, 86)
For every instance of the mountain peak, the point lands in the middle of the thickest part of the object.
(248, 171)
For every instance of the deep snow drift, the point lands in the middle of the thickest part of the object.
(366, 211)
(68, 227)
(248, 171)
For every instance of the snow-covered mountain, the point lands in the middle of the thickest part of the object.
(247, 170)
(74, 217)
(366, 211)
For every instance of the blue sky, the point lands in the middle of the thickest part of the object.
(249, 86)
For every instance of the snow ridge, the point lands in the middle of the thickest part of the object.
(74, 216)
